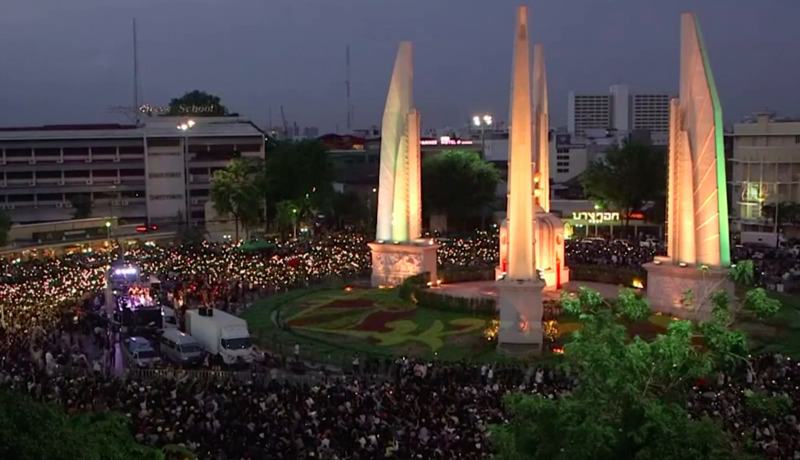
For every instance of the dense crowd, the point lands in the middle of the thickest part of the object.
(419, 411)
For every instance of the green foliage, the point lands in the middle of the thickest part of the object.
(769, 406)
(287, 214)
(415, 289)
(81, 206)
(5, 226)
(299, 171)
(33, 431)
(197, 104)
(459, 184)
(349, 207)
(627, 178)
(758, 304)
(743, 273)
(607, 274)
(787, 212)
(630, 400)
(237, 191)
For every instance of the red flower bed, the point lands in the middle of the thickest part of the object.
(376, 322)
(348, 304)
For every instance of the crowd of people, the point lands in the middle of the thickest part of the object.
(420, 410)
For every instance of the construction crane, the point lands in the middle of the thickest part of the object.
(285, 125)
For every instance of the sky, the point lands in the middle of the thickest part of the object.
(69, 61)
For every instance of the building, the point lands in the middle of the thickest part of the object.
(151, 173)
(764, 167)
(621, 111)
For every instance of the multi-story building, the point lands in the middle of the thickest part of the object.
(764, 167)
(155, 172)
(621, 111)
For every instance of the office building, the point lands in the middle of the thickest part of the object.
(620, 110)
(764, 167)
(151, 173)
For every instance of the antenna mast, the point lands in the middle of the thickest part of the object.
(136, 101)
(347, 83)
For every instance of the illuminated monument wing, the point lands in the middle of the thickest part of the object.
(398, 252)
(548, 228)
(697, 209)
(520, 291)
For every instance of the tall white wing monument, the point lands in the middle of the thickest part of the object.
(520, 290)
(398, 251)
(698, 238)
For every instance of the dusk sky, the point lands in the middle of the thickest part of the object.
(67, 61)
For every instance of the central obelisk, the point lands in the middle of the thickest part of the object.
(399, 252)
(520, 291)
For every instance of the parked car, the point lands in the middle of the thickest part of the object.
(649, 242)
(140, 352)
(180, 348)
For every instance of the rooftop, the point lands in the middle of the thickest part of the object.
(154, 127)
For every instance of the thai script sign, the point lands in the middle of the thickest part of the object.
(596, 217)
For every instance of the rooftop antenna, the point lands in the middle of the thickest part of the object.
(136, 100)
(347, 83)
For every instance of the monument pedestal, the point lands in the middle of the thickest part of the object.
(668, 282)
(393, 263)
(521, 308)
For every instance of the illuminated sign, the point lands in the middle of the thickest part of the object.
(125, 271)
(596, 217)
(445, 140)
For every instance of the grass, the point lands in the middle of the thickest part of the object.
(787, 325)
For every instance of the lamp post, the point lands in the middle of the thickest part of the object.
(186, 126)
(482, 122)
(294, 222)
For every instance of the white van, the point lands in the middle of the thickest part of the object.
(168, 318)
(180, 348)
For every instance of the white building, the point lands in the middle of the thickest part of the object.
(621, 111)
(764, 166)
(150, 173)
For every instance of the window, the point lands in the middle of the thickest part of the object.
(131, 172)
(104, 150)
(562, 157)
(77, 173)
(562, 150)
(18, 153)
(563, 163)
(131, 150)
(562, 171)
(49, 197)
(19, 175)
(797, 139)
(48, 152)
(76, 151)
(163, 175)
(166, 197)
(48, 174)
(132, 194)
(163, 142)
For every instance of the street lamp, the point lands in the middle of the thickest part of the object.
(294, 222)
(186, 126)
(482, 121)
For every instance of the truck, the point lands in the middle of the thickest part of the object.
(221, 334)
(766, 239)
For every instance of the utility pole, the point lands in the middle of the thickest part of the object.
(347, 84)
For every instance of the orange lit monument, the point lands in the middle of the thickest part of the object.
(520, 290)
(399, 252)
(698, 239)
(549, 229)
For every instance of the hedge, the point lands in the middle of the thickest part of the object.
(416, 289)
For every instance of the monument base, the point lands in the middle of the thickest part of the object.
(667, 284)
(521, 308)
(393, 263)
(551, 277)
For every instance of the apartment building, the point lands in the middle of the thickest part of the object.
(764, 166)
(621, 111)
(155, 172)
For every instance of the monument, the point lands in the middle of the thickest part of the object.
(698, 239)
(398, 251)
(520, 290)
(549, 236)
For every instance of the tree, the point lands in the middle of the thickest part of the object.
(349, 207)
(460, 185)
(32, 431)
(238, 191)
(81, 206)
(630, 398)
(5, 226)
(298, 171)
(197, 104)
(627, 178)
(287, 215)
(787, 212)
